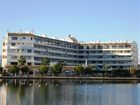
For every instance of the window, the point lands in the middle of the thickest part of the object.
(22, 50)
(31, 38)
(18, 50)
(87, 47)
(81, 47)
(113, 46)
(24, 37)
(14, 57)
(93, 47)
(14, 38)
(29, 50)
(106, 46)
(13, 44)
(13, 63)
(29, 63)
(99, 47)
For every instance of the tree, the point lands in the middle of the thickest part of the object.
(79, 70)
(24, 69)
(13, 69)
(43, 69)
(132, 71)
(45, 61)
(106, 67)
(21, 61)
(88, 70)
(57, 68)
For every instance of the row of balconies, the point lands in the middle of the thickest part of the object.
(97, 64)
(106, 59)
(61, 52)
(104, 54)
(15, 60)
(52, 45)
(106, 49)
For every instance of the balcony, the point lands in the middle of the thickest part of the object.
(39, 49)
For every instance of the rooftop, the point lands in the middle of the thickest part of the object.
(69, 38)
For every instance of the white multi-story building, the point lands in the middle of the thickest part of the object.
(34, 48)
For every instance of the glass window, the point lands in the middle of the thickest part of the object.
(14, 38)
(29, 50)
(24, 37)
(13, 44)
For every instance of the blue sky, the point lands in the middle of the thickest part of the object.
(87, 20)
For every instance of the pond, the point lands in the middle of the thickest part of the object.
(68, 92)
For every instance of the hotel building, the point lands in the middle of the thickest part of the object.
(120, 54)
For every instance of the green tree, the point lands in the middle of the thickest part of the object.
(106, 67)
(88, 70)
(79, 70)
(45, 61)
(24, 69)
(43, 69)
(57, 68)
(21, 61)
(13, 69)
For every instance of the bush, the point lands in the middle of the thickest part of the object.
(120, 73)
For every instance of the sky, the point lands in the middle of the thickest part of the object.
(87, 20)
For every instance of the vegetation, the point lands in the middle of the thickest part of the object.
(45, 61)
(133, 71)
(120, 73)
(24, 69)
(88, 70)
(106, 67)
(79, 70)
(57, 68)
(13, 69)
(21, 61)
(43, 69)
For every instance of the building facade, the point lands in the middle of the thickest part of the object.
(34, 48)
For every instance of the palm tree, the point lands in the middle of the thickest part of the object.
(57, 68)
(45, 61)
(106, 67)
(43, 69)
(21, 61)
(79, 70)
(13, 69)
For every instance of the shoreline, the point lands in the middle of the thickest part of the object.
(72, 78)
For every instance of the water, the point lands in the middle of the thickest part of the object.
(68, 92)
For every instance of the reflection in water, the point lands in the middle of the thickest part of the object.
(68, 92)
